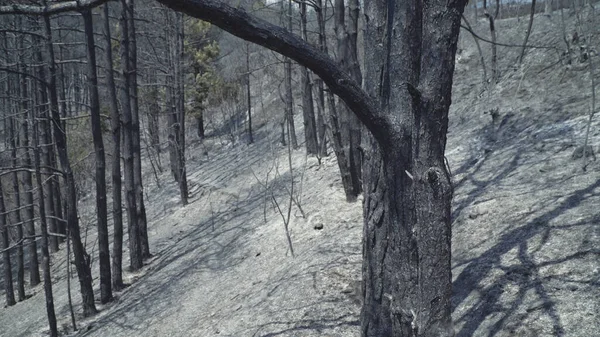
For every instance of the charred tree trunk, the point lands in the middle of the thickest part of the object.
(81, 257)
(407, 233)
(497, 9)
(135, 127)
(355, 127)
(494, 54)
(34, 271)
(321, 121)
(115, 124)
(345, 126)
(153, 118)
(173, 131)
(45, 133)
(135, 249)
(6, 262)
(180, 96)
(44, 234)
(248, 95)
(289, 99)
(308, 111)
(16, 162)
(200, 124)
(524, 48)
(101, 204)
(58, 202)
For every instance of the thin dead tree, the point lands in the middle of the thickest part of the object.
(115, 123)
(80, 255)
(529, 26)
(44, 233)
(100, 176)
(5, 249)
(494, 49)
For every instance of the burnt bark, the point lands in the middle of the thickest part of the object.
(321, 121)
(101, 204)
(135, 129)
(494, 53)
(6, 261)
(153, 118)
(16, 162)
(81, 257)
(407, 233)
(289, 97)
(47, 151)
(180, 96)
(308, 110)
(135, 249)
(44, 234)
(347, 127)
(34, 271)
(248, 95)
(115, 125)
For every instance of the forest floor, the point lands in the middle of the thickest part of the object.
(526, 239)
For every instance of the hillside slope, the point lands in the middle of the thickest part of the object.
(525, 234)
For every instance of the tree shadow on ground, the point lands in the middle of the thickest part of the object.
(501, 306)
(525, 274)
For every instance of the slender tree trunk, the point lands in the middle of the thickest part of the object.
(34, 271)
(349, 126)
(153, 117)
(135, 127)
(548, 7)
(289, 99)
(58, 203)
(115, 123)
(497, 9)
(135, 249)
(18, 217)
(16, 162)
(564, 35)
(524, 48)
(338, 147)
(200, 125)
(101, 204)
(494, 54)
(308, 111)
(248, 96)
(82, 259)
(44, 233)
(45, 133)
(183, 187)
(481, 57)
(4, 244)
(173, 128)
(321, 120)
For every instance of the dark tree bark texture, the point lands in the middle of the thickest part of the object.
(6, 262)
(115, 123)
(44, 234)
(81, 256)
(308, 111)
(135, 248)
(34, 271)
(100, 177)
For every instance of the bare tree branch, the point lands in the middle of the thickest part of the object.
(239, 23)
